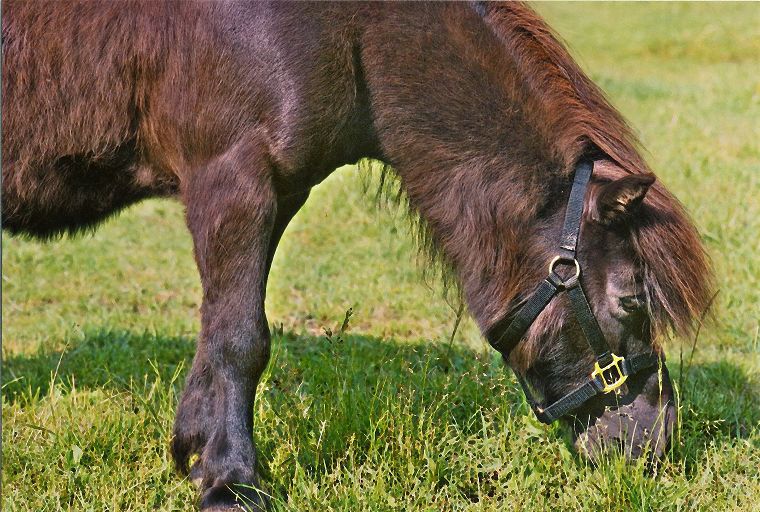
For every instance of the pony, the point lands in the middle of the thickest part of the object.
(238, 109)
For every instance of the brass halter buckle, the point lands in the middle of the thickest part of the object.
(613, 384)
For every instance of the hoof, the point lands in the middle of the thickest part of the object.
(237, 498)
(196, 474)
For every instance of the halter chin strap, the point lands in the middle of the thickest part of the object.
(610, 370)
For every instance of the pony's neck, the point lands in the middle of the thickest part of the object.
(464, 133)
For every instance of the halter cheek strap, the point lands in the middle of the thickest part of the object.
(610, 370)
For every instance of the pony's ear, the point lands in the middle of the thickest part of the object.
(618, 199)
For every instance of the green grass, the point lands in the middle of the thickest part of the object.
(98, 332)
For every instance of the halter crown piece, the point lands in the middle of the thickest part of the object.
(610, 370)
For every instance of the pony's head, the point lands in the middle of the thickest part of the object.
(641, 270)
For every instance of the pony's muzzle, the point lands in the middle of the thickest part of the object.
(638, 423)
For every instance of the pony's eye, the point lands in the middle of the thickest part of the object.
(632, 303)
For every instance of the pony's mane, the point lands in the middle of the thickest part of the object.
(575, 114)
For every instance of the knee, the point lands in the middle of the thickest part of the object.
(244, 349)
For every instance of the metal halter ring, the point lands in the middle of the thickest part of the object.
(572, 280)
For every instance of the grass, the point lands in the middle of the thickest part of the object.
(98, 332)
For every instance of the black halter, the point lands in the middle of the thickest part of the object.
(610, 370)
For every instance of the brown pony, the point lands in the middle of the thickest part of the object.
(239, 109)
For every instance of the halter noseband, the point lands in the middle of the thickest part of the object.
(610, 370)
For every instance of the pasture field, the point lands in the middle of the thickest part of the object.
(392, 415)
